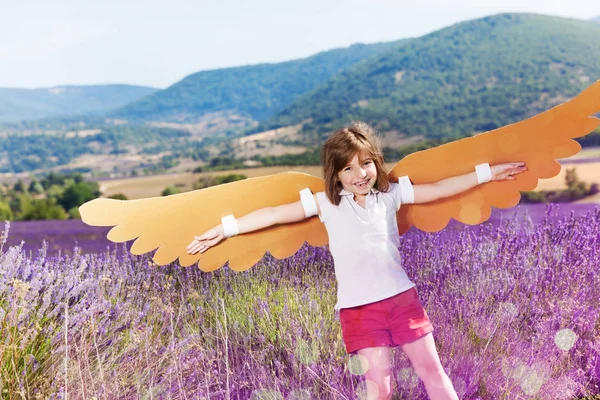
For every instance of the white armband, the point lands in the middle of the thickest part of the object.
(308, 203)
(230, 226)
(407, 193)
(484, 173)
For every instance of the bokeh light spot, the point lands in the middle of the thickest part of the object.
(358, 365)
(512, 368)
(531, 382)
(488, 251)
(300, 394)
(542, 370)
(559, 253)
(381, 359)
(485, 327)
(407, 377)
(266, 394)
(306, 352)
(474, 198)
(367, 390)
(565, 339)
(529, 378)
(508, 309)
(470, 213)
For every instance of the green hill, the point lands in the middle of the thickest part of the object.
(470, 77)
(24, 104)
(256, 91)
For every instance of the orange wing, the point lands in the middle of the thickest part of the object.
(170, 223)
(538, 141)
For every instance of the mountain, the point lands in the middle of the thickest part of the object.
(254, 91)
(467, 78)
(470, 77)
(24, 104)
(596, 19)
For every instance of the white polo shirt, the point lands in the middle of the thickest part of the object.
(364, 244)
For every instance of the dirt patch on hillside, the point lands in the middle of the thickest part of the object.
(83, 133)
(210, 124)
(395, 139)
(151, 186)
(289, 133)
(274, 142)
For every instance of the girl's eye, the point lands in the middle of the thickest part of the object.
(368, 162)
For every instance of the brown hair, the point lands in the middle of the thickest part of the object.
(340, 148)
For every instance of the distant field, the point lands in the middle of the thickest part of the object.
(589, 152)
(588, 172)
(150, 186)
(587, 163)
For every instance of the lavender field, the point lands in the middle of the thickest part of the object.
(515, 303)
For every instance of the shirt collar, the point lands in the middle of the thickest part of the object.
(345, 192)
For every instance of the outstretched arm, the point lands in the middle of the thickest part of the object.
(259, 219)
(457, 184)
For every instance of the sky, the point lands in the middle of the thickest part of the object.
(157, 43)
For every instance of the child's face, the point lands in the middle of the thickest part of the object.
(359, 176)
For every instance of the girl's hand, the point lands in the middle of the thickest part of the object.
(507, 171)
(208, 239)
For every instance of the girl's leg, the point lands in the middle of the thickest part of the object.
(426, 363)
(378, 377)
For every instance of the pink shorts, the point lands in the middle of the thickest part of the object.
(394, 321)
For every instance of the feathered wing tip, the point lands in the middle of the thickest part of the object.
(538, 141)
(170, 223)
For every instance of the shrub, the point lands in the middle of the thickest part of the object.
(169, 190)
(118, 196)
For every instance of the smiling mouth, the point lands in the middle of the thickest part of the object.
(362, 184)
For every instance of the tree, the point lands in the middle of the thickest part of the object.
(19, 186)
(169, 190)
(229, 178)
(571, 178)
(78, 193)
(6, 213)
(74, 213)
(53, 179)
(43, 209)
(36, 187)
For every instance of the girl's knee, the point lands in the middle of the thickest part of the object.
(378, 383)
(430, 370)
(433, 374)
(378, 374)
(378, 390)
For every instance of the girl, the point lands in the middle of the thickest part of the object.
(379, 306)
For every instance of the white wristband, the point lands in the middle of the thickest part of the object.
(484, 173)
(308, 203)
(230, 226)
(407, 193)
